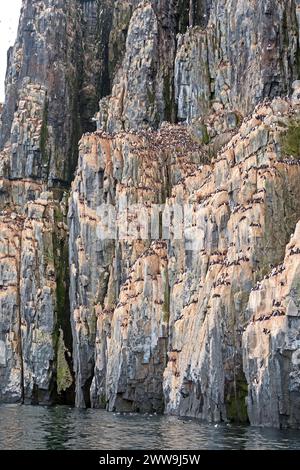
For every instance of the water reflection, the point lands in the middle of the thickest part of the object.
(57, 430)
(27, 427)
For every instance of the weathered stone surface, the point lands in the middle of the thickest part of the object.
(271, 344)
(238, 59)
(60, 54)
(94, 75)
(10, 361)
(46, 43)
(28, 154)
(33, 301)
(142, 92)
(241, 229)
(245, 208)
(119, 172)
(137, 349)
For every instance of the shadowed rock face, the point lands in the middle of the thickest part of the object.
(46, 42)
(195, 314)
(271, 344)
(59, 48)
(238, 59)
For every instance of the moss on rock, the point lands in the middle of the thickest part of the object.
(64, 376)
(290, 142)
(236, 406)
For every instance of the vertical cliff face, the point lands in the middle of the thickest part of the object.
(239, 236)
(61, 48)
(271, 344)
(238, 59)
(142, 93)
(130, 262)
(96, 24)
(49, 92)
(44, 55)
(34, 300)
(119, 180)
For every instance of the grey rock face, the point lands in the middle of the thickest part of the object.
(26, 152)
(90, 259)
(143, 86)
(94, 79)
(271, 345)
(33, 300)
(239, 59)
(139, 67)
(209, 297)
(60, 50)
(40, 128)
(111, 315)
(192, 76)
(116, 172)
(136, 357)
(46, 42)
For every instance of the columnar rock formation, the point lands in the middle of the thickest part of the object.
(271, 344)
(147, 265)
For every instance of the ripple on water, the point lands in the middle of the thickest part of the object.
(28, 427)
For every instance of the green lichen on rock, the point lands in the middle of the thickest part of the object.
(236, 406)
(58, 215)
(205, 135)
(102, 401)
(48, 255)
(64, 376)
(290, 142)
(62, 337)
(60, 250)
(200, 133)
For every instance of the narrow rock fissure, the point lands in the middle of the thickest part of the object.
(19, 319)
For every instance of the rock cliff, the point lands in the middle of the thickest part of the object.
(150, 207)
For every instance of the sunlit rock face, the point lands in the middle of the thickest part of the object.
(131, 174)
(241, 209)
(240, 236)
(149, 201)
